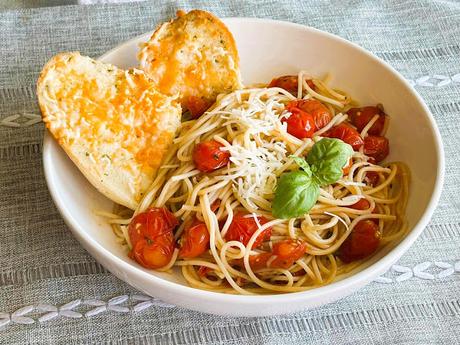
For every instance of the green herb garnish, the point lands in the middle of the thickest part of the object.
(297, 191)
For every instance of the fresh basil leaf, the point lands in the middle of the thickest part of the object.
(327, 158)
(295, 195)
(302, 163)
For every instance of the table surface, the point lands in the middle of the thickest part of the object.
(52, 291)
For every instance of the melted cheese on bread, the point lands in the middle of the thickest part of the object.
(193, 56)
(112, 123)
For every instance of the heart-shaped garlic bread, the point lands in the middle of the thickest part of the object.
(112, 123)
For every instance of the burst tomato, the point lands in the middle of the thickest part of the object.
(289, 83)
(242, 228)
(347, 134)
(283, 255)
(360, 117)
(376, 147)
(361, 204)
(208, 156)
(151, 235)
(300, 124)
(194, 240)
(287, 252)
(362, 242)
(315, 108)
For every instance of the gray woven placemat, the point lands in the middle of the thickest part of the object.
(52, 291)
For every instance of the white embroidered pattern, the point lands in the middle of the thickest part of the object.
(73, 309)
(436, 80)
(426, 270)
(136, 303)
(21, 120)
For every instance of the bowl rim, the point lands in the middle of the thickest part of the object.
(364, 276)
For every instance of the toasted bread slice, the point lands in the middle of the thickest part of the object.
(113, 124)
(194, 56)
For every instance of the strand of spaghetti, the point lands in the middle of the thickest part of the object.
(211, 223)
(186, 272)
(215, 283)
(223, 257)
(170, 263)
(336, 120)
(360, 175)
(321, 97)
(317, 227)
(323, 87)
(369, 125)
(119, 221)
(183, 176)
(292, 228)
(316, 270)
(385, 183)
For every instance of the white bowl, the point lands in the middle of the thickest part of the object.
(267, 49)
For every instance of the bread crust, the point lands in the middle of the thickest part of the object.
(122, 172)
(193, 56)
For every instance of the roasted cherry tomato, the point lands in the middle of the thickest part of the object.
(151, 235)
(287, 252)
(347, 134)
(194, 240)
(362, 242)
(283, 255)
(242, 228)
(360, 117)
(372, 177)
(197, 106)
(361, 204)
(289, 83)
(315, 108)
(208, 156)
(376, 147)
(300, 124)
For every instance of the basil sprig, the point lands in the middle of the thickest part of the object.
(297, 191)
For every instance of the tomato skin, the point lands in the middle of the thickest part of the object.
(361, 204)
(315, 108)
(208, 156)
(372, 177)
(347, 134)
(288, 83)
(376, 147)
(151, 235)
(364, 204)
(258, 261)
(203, 271)
(197, 106)
(360, 117)
(285, 253)
(362, 242)
(194, 241)
(300, 124)
(242, 228)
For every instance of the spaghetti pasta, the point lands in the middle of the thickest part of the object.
(249, 126)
